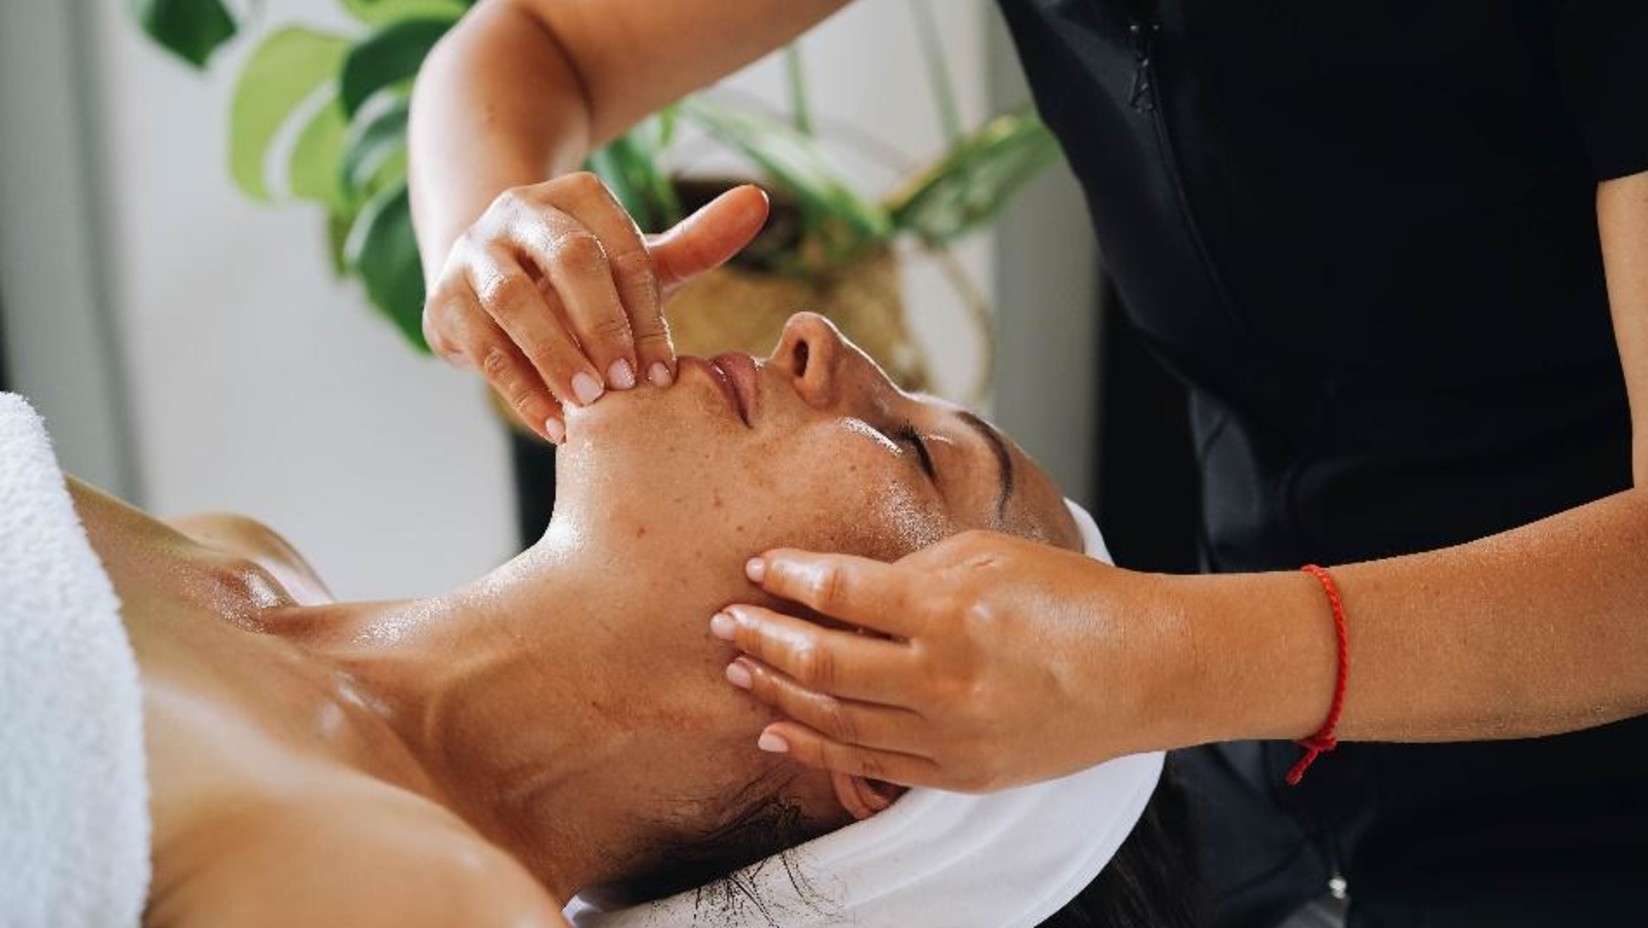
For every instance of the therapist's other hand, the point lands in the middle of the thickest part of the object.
(974, 671)
(554, 295)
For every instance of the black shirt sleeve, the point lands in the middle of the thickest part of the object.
(1602, 59)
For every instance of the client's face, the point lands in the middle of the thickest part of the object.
(812, 447)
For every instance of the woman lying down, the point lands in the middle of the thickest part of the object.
(561, 727)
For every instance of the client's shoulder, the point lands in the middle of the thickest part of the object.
(385, 858)
(245, 537)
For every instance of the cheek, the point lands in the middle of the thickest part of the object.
(682, 481)
(642, 453)
(840, 486)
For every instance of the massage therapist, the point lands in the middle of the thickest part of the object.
(1400, 255)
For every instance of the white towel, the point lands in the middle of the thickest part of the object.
(74, 822)
(934, 859)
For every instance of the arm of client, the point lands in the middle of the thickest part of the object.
(1013, 662)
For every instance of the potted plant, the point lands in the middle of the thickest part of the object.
(344, 101)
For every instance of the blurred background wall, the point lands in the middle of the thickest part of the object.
(193, 351)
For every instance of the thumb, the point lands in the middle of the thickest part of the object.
(707, 238)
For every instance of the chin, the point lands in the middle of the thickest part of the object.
(648, 449)
(651, 417)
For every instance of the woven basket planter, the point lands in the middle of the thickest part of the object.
(735, 309)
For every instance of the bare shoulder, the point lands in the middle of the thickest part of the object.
(397, 862)
(245, 537)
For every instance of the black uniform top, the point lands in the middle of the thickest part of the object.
(1365, 235)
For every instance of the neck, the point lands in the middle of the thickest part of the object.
(505, 693)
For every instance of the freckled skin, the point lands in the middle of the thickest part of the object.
(551, 717)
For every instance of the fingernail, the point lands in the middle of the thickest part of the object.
(722, 626)
(555, 429)
(586, 388)
(772, 743)
(739, 676)
(621, 375)
(659, 374)
(755, 568)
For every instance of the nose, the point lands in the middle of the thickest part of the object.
(827, 370)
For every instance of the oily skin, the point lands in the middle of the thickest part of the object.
(445, 759)
(538, 278)
(1534, 631)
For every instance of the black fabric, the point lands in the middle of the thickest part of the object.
(1365, 237)
(1604, 73)
(1146, 478)
(533, 461)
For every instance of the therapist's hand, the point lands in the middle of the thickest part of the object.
(555, 296)
(986, 661)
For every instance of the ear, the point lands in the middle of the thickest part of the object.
(863, 797)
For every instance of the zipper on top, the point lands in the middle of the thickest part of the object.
(1142, 94)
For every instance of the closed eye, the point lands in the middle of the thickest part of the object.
(907, 432)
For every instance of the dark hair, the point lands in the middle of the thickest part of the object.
(1150, 883)
(762, 822)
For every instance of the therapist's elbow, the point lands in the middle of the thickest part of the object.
(509, 53)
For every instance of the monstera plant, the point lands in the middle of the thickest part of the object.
(321, 117)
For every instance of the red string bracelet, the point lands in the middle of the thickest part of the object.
(1324, 740)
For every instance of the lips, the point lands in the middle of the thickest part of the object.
(737, 376)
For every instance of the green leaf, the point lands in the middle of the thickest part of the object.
(666, 120)
(607, 163)
(337, 235)
(383, 251)
(970, 185)
(313, 169)
(190, 29)
(285, 70)
(666, 202)
(383, 12)
(391, 171)
(629, 166)
(796, 163)
(389, 56)
(372, 144)
(795, 82)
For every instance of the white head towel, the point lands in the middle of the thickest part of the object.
(74, 823)
(1006, 860)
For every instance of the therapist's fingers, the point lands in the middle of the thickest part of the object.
(825, 660)
(709, 237)
(857, 590)
(589, 250)
(848, 721)
(813, 749)
(518, 383)
(470, 338)
(531, 317)
(634, 332)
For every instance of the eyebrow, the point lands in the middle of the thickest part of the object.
(1004, 458)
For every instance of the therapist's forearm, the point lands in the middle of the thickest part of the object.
(1535, 631)
(521, 90)
(497, 105)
